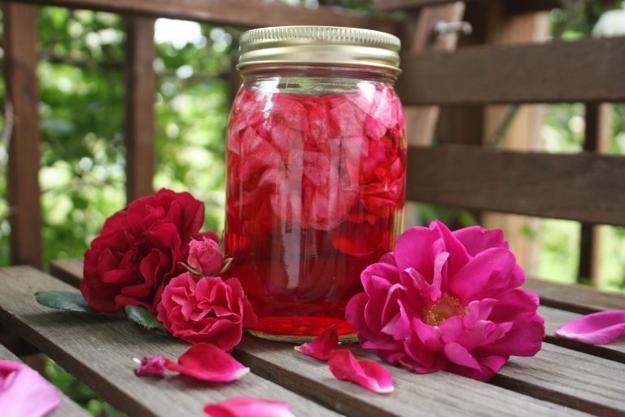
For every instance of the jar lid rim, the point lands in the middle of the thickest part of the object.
(319, 45)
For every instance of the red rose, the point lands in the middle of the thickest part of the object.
(206, 309)
(139, 250)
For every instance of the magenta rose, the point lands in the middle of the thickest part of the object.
(447, 301)
(205, 256)
(139, 250)
(207, 309)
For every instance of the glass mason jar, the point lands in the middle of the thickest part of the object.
(316, 157)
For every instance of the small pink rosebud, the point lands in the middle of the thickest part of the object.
(205, 256)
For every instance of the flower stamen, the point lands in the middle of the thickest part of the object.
(447, 306)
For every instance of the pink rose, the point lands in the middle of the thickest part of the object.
(447, 301)
(205, 256)
(206, 309)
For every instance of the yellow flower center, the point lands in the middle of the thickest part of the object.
(446, 307)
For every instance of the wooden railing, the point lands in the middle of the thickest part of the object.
(586, 187)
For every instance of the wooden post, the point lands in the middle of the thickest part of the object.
(596, 139)
(20, 43)
(524, 131)
(419, 36)
(140, 95)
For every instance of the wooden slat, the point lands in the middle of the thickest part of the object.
(269, 359)
(576, 298)
(67, 270)
(233, 12)
(554, 318)
(585, 186)
(419, 37)
(20, 56)
(99, 351)
(558, 71)
(565, 376)
(438, 394)
(513, 5)
(67, 408)
(140, 97)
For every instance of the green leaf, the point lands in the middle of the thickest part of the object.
(64, 300)
(144, 318)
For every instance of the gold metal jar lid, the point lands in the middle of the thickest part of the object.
(319, 45)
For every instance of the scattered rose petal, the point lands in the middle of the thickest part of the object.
(596, 328)
(24, 393)
(248, 407)
(369, 374)
(152, 366)
(322, 346)
(207, 362)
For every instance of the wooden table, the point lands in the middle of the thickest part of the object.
(564, 379)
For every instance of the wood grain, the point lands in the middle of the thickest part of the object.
(67, 270)
(554, 318)
(568, 377)
(140, 99)
(558, 71)
(585, 187)
(67, 408)
(419, 37)
(576, 298)
(513, 5)
(307, 377)
(233, 12)
(440, 394)
(99, 351)
(20, 56)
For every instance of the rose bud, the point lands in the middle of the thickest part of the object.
(205, 256)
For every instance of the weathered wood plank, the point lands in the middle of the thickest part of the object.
(268, 358)
(419, 37)
(585, 186)
(67, 270)
(68, 408)
(585, 70)
(233, 12)
(554, 318)
(573, 297)
(22, 107)
(568, 377)
(311, 378)
(140, 99)
(512, 5)
(100, 350)
(439, 394)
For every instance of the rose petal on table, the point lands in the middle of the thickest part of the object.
(207, 362)
(152, 366)
(367, 373)
(248, 407)
(25, 393)
(322, 346)
(596, 328)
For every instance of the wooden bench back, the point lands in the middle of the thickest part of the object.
(586, 187)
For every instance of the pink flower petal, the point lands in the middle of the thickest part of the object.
(152, 366)
(322, 346)
(369, 374)
(24, 393)
(596, 328)
(207, 362)
(248, 407)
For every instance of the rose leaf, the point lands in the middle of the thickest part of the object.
(144, 318)
(64, 300)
